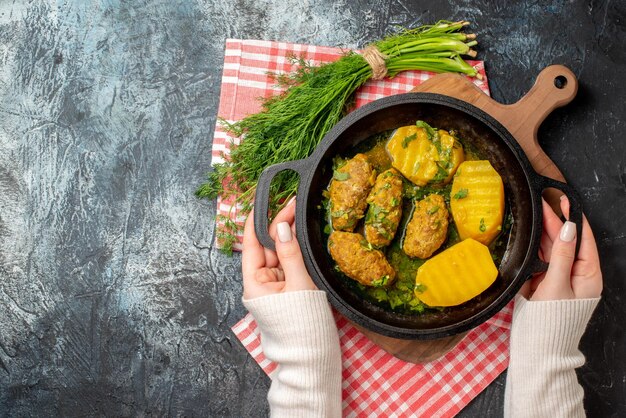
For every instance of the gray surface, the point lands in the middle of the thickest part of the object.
(112, 302)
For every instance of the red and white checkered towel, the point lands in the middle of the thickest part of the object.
(377, 384)
(374, 382)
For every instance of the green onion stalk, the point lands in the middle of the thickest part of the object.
(291, 125)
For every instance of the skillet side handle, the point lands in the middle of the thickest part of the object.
(575, 214)
(262, 197)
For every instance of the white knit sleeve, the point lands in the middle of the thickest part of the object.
(299, 333)
(541, 379)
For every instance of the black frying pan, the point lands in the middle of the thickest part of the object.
(523, 188)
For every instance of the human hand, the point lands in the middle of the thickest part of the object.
(266, 272)
(567, 277)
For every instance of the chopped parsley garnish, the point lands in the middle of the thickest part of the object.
(433, 210)
(430, 131)
(340, 176)
(338, 162)
(339, 214)
(406, 140)
(442, 173)
(366, 245)
(482, 226)
(380, 282)
(419, 287)
(461, 194)
(437, 143)
(384, 233)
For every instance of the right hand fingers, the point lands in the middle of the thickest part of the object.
(587, 263)
(557, 282)
(551, 227)
(586, 274)
(561, 254)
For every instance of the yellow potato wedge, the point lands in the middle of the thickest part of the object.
(477, 201)
(455, 275)
(423, 155)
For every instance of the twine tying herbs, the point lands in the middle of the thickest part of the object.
(376, 60)
(316, 97)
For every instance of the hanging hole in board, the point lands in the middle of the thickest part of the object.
(560, 82)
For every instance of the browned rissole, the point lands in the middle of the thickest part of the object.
(359, 261)
(348, 192)
(385, 208)
(428, 228)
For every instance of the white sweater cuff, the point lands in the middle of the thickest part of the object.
(541, 380)
(285, 316)
(299, 333)
(554, 327)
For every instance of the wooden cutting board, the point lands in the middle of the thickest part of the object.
(555, 86)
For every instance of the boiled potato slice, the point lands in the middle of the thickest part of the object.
(477, 201)
(455, 275)
(424, 155)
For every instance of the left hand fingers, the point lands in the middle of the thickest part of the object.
(253, 254)
(264, 289)
(287, 214)
(258, 280)
(260, 267)
(267, 275)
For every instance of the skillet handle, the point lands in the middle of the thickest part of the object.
(262, 197)
(575, 214)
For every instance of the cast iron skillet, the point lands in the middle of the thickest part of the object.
(523, 189)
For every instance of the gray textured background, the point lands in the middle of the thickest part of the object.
(112, 301)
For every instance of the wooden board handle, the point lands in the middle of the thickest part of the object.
(555, 86)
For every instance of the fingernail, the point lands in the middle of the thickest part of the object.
(293, 199)
(563, 197)
(284, 231)
(568, 231)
